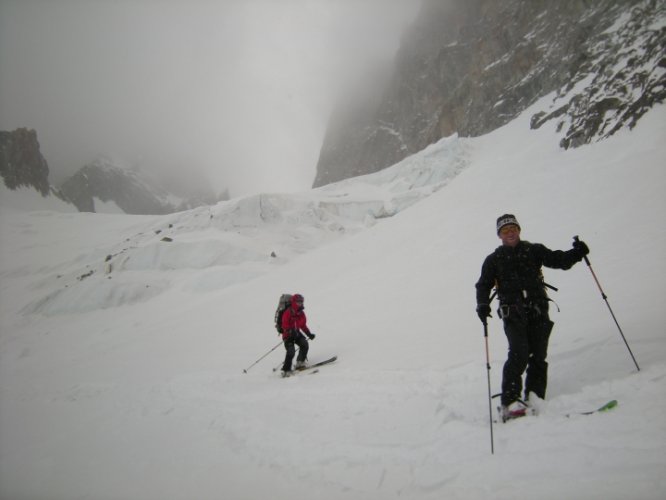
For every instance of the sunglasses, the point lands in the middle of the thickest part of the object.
(509, 229)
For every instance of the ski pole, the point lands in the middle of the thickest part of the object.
(490, 404)
(257, 361)
(605, 297)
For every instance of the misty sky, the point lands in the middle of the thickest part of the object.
(239, 88)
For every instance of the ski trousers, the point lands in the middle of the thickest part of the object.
(527, 329)
(296, 338)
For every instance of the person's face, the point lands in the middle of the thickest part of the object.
(510, 235)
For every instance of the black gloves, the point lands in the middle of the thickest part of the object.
(483, 310)
(580, 248)
(310, 335)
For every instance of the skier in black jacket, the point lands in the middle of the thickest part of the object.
(514, 268)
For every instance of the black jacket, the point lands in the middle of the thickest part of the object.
(516, 271)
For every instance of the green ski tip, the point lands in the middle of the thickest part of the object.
(608, 406)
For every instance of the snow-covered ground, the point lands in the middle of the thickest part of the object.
(123, 339)
(28, 199)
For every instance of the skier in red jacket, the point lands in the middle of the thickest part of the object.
(294, 324)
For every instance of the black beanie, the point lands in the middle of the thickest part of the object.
(506, 220)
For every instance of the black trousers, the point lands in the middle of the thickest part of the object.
(290, 345)
(528, 331)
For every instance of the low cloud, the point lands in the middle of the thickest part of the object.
(240, 90)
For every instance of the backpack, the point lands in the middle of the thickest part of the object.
(283, 304)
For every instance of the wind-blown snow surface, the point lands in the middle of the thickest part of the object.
(122, 355)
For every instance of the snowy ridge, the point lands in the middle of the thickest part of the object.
(110, 185)
(145, 397)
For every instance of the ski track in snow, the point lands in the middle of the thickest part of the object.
(122, 355)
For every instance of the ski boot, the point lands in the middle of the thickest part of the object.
(516, 409)
(301, 365)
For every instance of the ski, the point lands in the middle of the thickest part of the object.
(325, 362)
(532, 412)
(603, 408)
(313, 366)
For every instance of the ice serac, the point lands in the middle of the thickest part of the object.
(471, 66)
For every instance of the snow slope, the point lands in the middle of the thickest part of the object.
(122, 355)
(28, 198)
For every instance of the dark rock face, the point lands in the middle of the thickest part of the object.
(132, 192)
(622, 77)
(471, 66)
(21, 162)
(109, 183)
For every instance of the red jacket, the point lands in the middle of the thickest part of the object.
(293, 319)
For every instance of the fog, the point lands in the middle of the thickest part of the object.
(241, 90)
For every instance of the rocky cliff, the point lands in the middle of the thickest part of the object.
(21, 162)
(471, 66)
